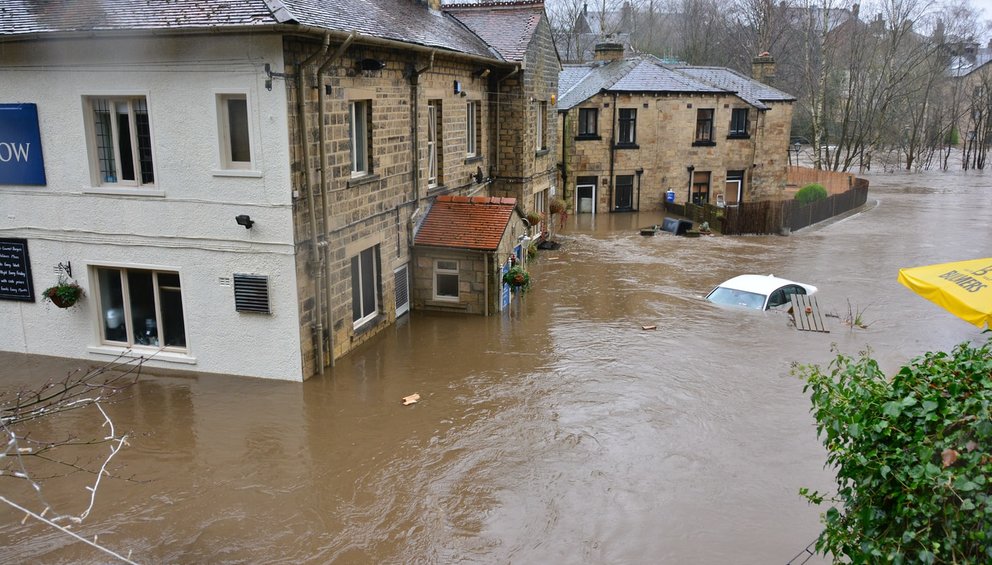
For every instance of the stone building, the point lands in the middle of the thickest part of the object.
(636, 131)
(237, 186)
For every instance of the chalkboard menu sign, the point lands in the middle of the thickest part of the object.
(15, 271)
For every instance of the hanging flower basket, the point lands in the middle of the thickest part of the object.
(64, 294)
(517, 278)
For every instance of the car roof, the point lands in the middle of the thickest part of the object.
(761, 284)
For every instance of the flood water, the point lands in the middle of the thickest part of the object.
(560, 432)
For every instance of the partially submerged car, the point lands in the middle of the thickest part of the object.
(758, 292)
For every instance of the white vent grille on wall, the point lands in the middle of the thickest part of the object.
(251, 293)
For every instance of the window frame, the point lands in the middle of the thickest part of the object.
(737, 129)
(704, 127)
(447, 272)
(130, 340)
(367, 314)
(360, 136)
(98, 177)
(630, 121)
(472, 128)
(224, 132)
(587, 117)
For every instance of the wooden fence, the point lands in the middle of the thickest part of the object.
(770, 216)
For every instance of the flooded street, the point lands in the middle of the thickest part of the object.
(560, 432)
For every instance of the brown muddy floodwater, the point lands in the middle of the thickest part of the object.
(558, 433)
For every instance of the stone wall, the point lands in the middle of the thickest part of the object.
(374, 209)
(664, 148)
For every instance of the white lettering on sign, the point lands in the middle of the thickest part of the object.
(14, 151)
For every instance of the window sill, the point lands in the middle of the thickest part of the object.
(704, 144)
(149, 354)
(364, 179)
(541, 152)
(739, 136)
(626, 146)
(128, 191)
(243, 173)
(588, 137)
(473, 159)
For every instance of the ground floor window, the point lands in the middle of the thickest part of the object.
(446, 280)
(365, 285)
(140, 307)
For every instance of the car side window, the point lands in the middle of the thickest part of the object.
(777, 298)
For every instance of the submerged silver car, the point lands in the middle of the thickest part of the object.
(758, 292)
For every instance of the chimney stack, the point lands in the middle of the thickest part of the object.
(608, 52)
(763, 68)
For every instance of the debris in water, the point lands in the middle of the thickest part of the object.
(412, 399)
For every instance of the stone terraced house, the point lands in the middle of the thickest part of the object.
(238, 185)
(637, 131)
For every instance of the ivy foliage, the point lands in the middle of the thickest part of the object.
(913, 457)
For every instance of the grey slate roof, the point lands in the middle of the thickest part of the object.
(577, 83)
(751, 91)
(401, 20)
(507, 26)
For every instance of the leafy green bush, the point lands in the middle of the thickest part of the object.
(811, 193)
(913, 457)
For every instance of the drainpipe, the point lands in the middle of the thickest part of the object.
(613, 148)
(311, 203)
(324, 206)
(499, 107)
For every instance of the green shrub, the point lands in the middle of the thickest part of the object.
(913, 457)
(811, 193)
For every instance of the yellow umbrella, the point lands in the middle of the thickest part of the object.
(963, 288)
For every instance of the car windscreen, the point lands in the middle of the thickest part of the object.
(732, 297)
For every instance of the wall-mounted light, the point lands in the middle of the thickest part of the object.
(244, 220)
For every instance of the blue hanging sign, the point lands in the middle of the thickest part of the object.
(21, 161)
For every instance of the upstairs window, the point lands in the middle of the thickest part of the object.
(588, 122)
(235, 138)
(738, 123)
(471, 129)
(121, 141)
(359, 118)
(627, 126)
(704, 126)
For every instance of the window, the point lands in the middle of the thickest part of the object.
(365, 286)
(359, 114)
(471, 129)
(588, 122)
(541, 141)
(738, 123)
(700, 187)
(140, 307)
(235, 138)
(446, 280)
(435, 155)
(704, 126)
(628, 126)
(121, 142)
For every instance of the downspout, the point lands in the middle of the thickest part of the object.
(613, 148)
(311, 203)
(324, 206)
(499, 108)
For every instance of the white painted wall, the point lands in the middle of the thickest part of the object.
(184, 223)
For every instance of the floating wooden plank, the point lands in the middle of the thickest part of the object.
(806, 314)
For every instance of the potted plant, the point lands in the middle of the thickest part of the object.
(517, 278)
(64, 294)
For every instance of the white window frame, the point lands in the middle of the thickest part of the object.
(471, 129)
(98, 177)
(359, 284)
(358, 133)
(131, 341)
(432, 168)
(224, 132)
(446, 271)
